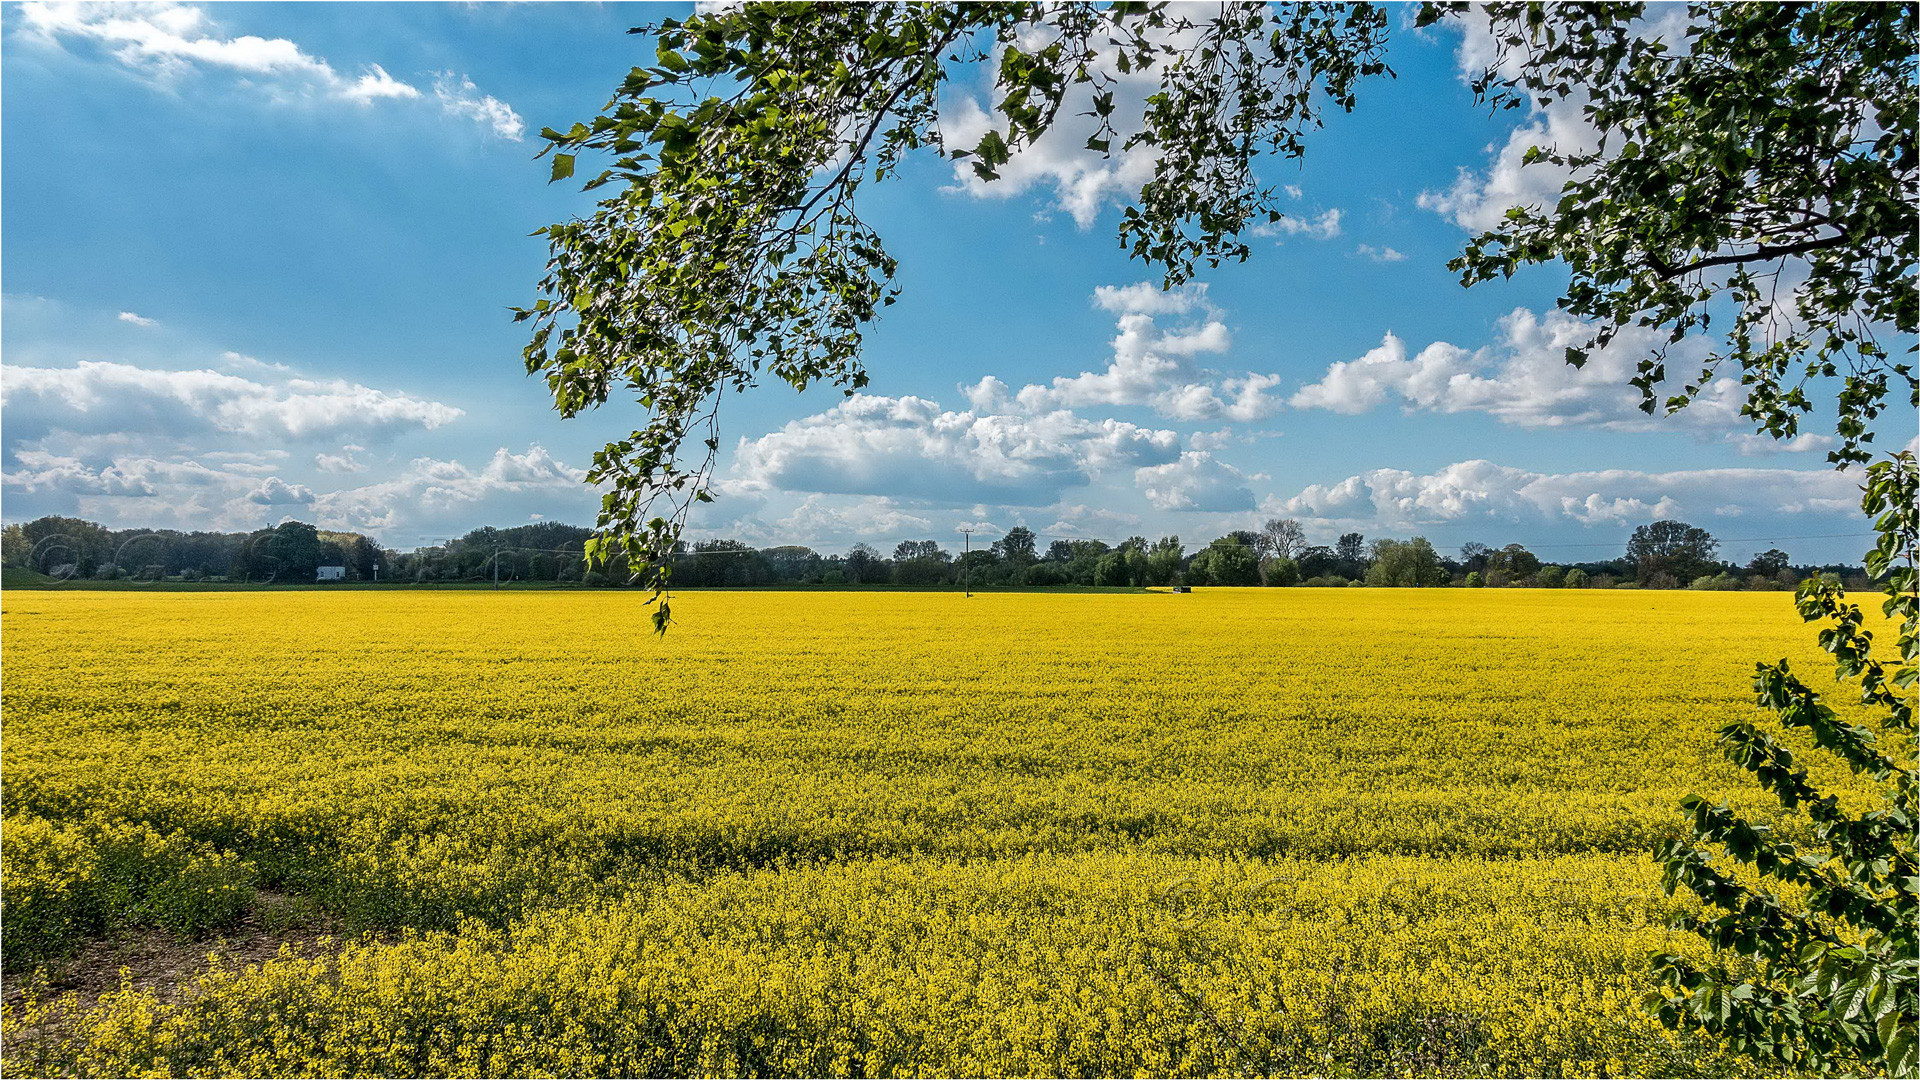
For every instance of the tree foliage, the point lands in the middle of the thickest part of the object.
(1826, 981)
(1226, 561)
(1758, 157)
(1405, 564)
(1675, 548)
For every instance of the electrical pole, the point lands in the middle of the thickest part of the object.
(496, 566)
(966, 564)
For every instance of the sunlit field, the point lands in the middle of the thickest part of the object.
(1232, 832)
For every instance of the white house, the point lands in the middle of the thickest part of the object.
(332, 573)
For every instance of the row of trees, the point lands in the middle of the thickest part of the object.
(1664, 554)
(67, 547)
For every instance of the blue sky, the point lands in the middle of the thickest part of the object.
(258, 258)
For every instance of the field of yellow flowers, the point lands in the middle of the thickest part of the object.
(1353, 832)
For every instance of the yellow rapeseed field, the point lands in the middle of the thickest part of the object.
(1238, 831)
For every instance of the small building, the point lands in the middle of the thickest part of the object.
(331, 573)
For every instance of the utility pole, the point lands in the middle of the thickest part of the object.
(496, 566)
(966, 565)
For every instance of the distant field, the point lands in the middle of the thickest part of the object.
(1327, 831)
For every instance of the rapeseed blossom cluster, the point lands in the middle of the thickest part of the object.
(1260, 831)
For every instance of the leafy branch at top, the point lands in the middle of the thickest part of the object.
(1753, 157)
(733, 246)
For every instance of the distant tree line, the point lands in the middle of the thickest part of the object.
(67, 547)
(1662, 555)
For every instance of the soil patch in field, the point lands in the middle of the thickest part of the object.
(166, 965)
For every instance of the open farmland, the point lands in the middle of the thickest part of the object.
(1240, 831)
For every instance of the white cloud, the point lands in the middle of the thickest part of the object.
(1197, 481)
(377, 84)
(1147, 298)
(1324, 226)
(138, 320)
(1152, 366)
(911, 447)
(1760, 445)
(274, 491)
(1483, 491)
(1381, 254)
(427, 496)
(101, 396)
(243, 362)
(1524, 380)
(153, 491)
(1479, 200)
(1092, 522)
(342, 462)
(459, 97)
(1082, 181)
(872, 518)
(167, 42)
(435, 495)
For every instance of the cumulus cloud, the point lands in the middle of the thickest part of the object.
(911, 447)
(434, 492)
(169, 41)
(1153, 366)
(132, 488)
(1197, 481)
(1322, 226)
(1082, 182)
(375, 85)
(274, 491)
(1381, 254)
(1093, 522)
(342, 462)
(1479, 198)
(1147, 298)
(1484, 491)
(1524, 380)
(243, 362)
(1754, 445)
(102, 396)
(459, 97)
(138, 320)
(872, 518)
(226, 491)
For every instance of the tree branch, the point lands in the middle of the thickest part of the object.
(1761, 254)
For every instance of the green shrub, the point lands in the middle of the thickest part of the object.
(1279, 572)
(1047, 574)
